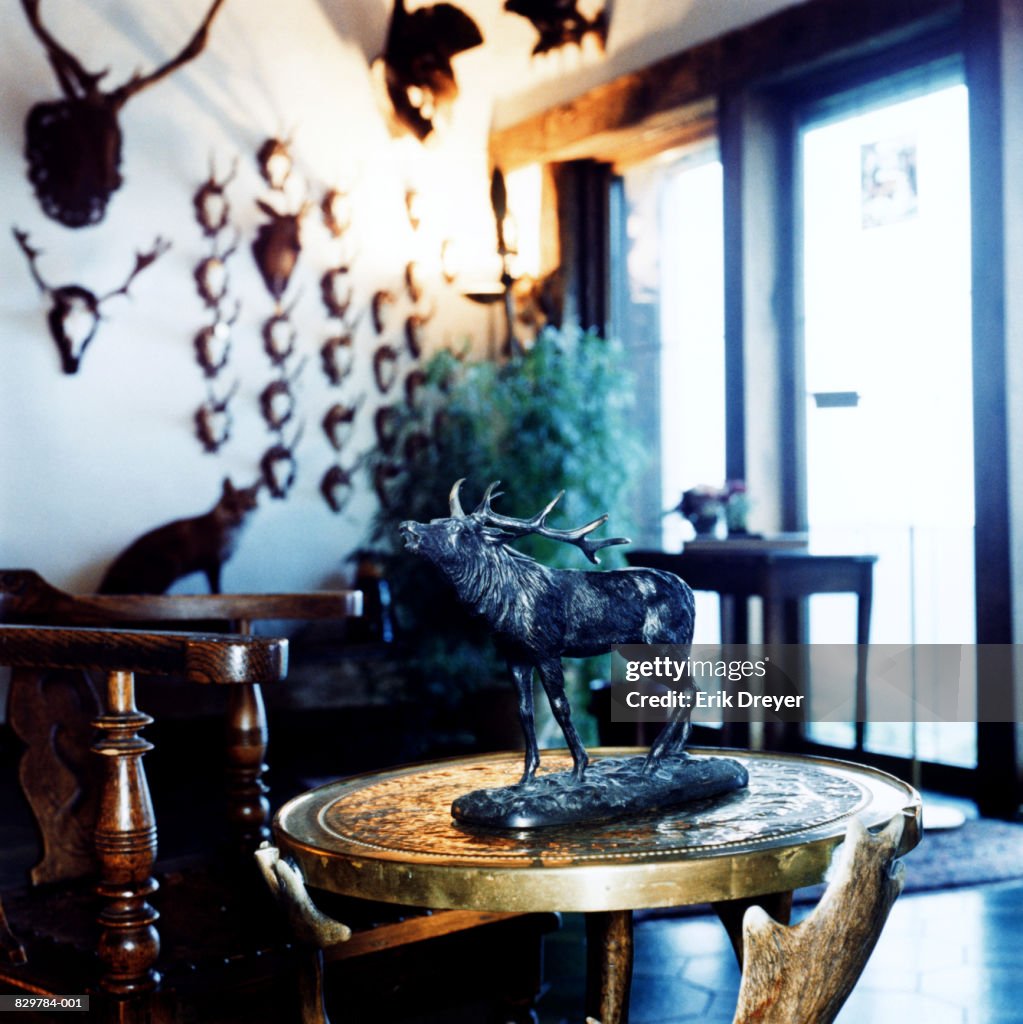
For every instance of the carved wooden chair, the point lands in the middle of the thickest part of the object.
(124, 831)
(58, 776)
(62, 760)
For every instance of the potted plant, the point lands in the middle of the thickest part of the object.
(554, 417)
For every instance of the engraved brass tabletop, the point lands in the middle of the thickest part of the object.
(390, 836)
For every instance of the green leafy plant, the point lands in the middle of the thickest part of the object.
(554, 418)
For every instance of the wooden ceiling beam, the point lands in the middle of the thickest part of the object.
(676, 90)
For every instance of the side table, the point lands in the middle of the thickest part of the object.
(389, 836)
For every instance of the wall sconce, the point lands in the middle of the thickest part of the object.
(507, 237)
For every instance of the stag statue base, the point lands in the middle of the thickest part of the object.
(612, 788)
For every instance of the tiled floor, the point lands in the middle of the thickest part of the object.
(953, 957)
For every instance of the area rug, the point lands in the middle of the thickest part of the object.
(982, 851)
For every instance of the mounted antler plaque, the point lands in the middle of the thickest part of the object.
(339, 423)
(337, 355)
(280, 336)
(336, 291)
(213, 344)
(212, 210)
(213, 421)
(211, 274)
(279, 466)
(337, 487)
(277, 400)
(73, 144)
(75, 313)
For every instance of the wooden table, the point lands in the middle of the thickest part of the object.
(389, 836)
(778, 576)
(775, 575)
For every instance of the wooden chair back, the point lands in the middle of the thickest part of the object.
(51, 708)
(124, 832)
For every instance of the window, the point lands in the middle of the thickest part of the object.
(673, 327)
(885, 285)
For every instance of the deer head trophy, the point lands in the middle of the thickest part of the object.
(75, 312)
(277, 246)
(73, 144)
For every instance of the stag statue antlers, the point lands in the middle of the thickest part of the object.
(539, 615)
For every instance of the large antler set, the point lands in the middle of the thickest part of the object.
(73, 144)
(75, 312)
(536, 525)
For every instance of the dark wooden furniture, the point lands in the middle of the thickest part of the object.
(221, 939)
(124, 832)
(773, 574)
(27, 599)
(390, 836)
(778, 576)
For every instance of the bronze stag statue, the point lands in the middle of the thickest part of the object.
(539, 615)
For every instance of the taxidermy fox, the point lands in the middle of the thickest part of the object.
(200, 544)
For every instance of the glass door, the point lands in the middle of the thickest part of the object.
(885, 302)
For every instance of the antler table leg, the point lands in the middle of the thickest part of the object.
(126, 846)
(732, 912)
(804, 974)
(608, 965)
(311, 928)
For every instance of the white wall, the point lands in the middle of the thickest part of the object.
(90, 461)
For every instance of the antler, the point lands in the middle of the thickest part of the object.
(194, 47)
(21, 237)
(142, 260)
(454, 503)
(74, 80)
(537, 525)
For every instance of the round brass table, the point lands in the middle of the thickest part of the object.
(390, 836)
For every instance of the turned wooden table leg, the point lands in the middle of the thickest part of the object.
(608, 965)
(126, 846)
